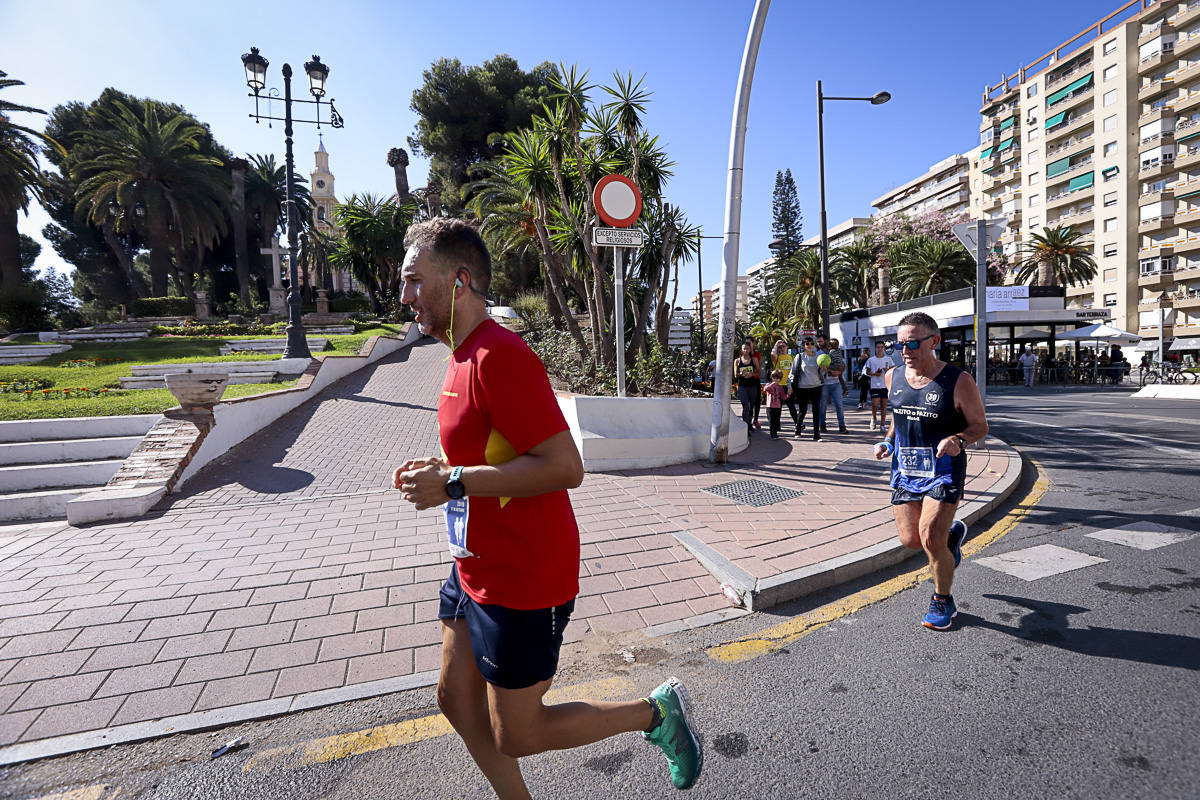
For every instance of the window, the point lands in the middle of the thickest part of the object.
(1110, 123)
(1033, 134)
(1110, 224)
(1110, 148)
(1034, 222)
(1034, 200)
(1110, 46)
(1110, 72)
(1153, 266)
(1031, 91)
(1034, 178)
(1110, 176)
(1110, 98)
(1110, 300)
(1110, 199)
(321, 213)
(1110, 250)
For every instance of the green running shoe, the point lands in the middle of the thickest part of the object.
(675, 736)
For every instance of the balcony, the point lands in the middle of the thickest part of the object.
(1071, 170)
(1153, 32)
(1155, 114)
(1154, 140)
(1187, 215)
(1186, 44)
(1187, 102)
(1073, 99)
(1155, 169)
(1156, 223)
(989, 122)
(1163, 249)
(1149, 280)
(1192, 300)
(1080, 291)
(1076, 69)
(953, 199)
(1069, 147)
(1060, 200)
(1187, 16)
(1071, 125)
(1155, 195)
(1186, 159)
(1155, 59)
(1155, 88)
(1072, 213)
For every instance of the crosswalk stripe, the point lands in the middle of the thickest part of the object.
(1142, 535)
(1037, 562)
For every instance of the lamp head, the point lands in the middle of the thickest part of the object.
(317, 73)
(256, 69)
(880, 98)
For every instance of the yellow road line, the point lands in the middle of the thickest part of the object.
(332, 748)
(101, 791)
(783, 634)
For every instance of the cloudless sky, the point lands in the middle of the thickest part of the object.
(934, 56)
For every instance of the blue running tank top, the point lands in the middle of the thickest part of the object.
(923, 417)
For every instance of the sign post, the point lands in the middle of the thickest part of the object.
(979, 237)
(618, 202)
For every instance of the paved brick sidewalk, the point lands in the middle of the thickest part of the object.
(287, 567)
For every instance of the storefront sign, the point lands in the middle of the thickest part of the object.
(1008, 298)
(1091, 314)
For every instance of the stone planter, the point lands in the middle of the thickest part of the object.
(197, 389)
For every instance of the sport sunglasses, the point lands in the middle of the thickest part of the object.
(915, 344)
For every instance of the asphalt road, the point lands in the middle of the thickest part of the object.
(1079, 684)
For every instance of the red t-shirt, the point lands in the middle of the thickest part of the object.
(497, 404)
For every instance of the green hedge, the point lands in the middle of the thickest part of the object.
(163, 307)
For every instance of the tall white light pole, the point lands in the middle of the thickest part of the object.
(718, 452)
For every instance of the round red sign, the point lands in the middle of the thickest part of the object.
(618, 200)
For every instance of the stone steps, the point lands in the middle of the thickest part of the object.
(330, 330)
(274, 346)
(45, 463)
(160, 381)
(30, 353)
(65, 450)
(151, 376)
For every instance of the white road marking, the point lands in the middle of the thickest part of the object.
(1124, 436)
(1037, 562)
(1142, 535)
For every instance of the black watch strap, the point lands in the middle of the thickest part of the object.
(962, 443)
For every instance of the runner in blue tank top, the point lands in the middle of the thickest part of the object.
(936, 413)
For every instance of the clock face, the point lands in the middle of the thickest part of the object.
(320, 184)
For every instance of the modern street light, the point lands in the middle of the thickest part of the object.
(879, 98)
(256, 78)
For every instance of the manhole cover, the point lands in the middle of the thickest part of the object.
(754, 493)
(863, 466)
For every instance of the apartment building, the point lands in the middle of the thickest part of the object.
(1103, 134)
(845, 232)
(944, 187)
(742, 307)
(702, 301)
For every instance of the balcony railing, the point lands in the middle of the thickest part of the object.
(1155, 137)
(1075, 211)
(1068, 144)
(1166, 49)
(1050, 198)
(1150, 166)
(1068, 122)
(1054, 80)
(1078, 165)
(1189, 122)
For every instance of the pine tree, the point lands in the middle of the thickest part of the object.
(787, 230)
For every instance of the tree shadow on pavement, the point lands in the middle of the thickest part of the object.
(1047, 623)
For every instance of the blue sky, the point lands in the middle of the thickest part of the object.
(934, 56)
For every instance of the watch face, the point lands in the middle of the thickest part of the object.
(320, 184)
(455, 490)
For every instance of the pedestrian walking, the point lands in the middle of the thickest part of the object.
(936, 413)
(876, 368)
(831, 391)
(807, 379)
(776, 393)
(782, 360)
(758, 370)
(749, 388)
(1028, 362)
(861, 377)
(508, 461)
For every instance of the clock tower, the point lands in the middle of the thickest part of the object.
(321, 189)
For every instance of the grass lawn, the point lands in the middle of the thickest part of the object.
(152, 350)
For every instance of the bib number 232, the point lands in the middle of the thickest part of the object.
(916, 462)
(457, 513)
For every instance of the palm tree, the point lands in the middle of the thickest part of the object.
(854, 274)
(266, 195)
(20, 179)
(923, 266)
(798, 286)
(372, 244)
(1056, 257)
(138, 158)
(238, 169)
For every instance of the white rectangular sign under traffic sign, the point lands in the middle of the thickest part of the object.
(617, 237)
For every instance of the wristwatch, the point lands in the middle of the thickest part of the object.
(454, 487)
(962, 443)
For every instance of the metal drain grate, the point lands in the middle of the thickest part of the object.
(863, 466)
(754, 493)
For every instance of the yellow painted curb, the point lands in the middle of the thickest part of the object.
(779, 636)
(332, 748)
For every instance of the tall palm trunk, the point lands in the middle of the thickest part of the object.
(10, 249)
(160, 254)
(550, 257)
(241, 254)
(1045, 275)
(885, 284)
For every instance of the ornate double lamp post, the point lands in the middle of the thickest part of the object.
(256, 79)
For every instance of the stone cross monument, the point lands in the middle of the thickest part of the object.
(278, 295)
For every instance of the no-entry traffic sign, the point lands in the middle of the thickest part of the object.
(618, 200)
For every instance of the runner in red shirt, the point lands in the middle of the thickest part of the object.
(508, 461)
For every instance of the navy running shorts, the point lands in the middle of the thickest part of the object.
(514, 648)
(880, 393)
(943, 493)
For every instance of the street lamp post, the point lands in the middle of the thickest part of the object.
(877, 99)
(256, 78)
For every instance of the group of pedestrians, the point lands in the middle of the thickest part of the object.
(812, 376)
(508, 460)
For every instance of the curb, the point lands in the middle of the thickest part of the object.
(761, 594)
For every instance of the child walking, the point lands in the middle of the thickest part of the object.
(777, 394)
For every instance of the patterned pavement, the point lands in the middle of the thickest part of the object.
(288, 567)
